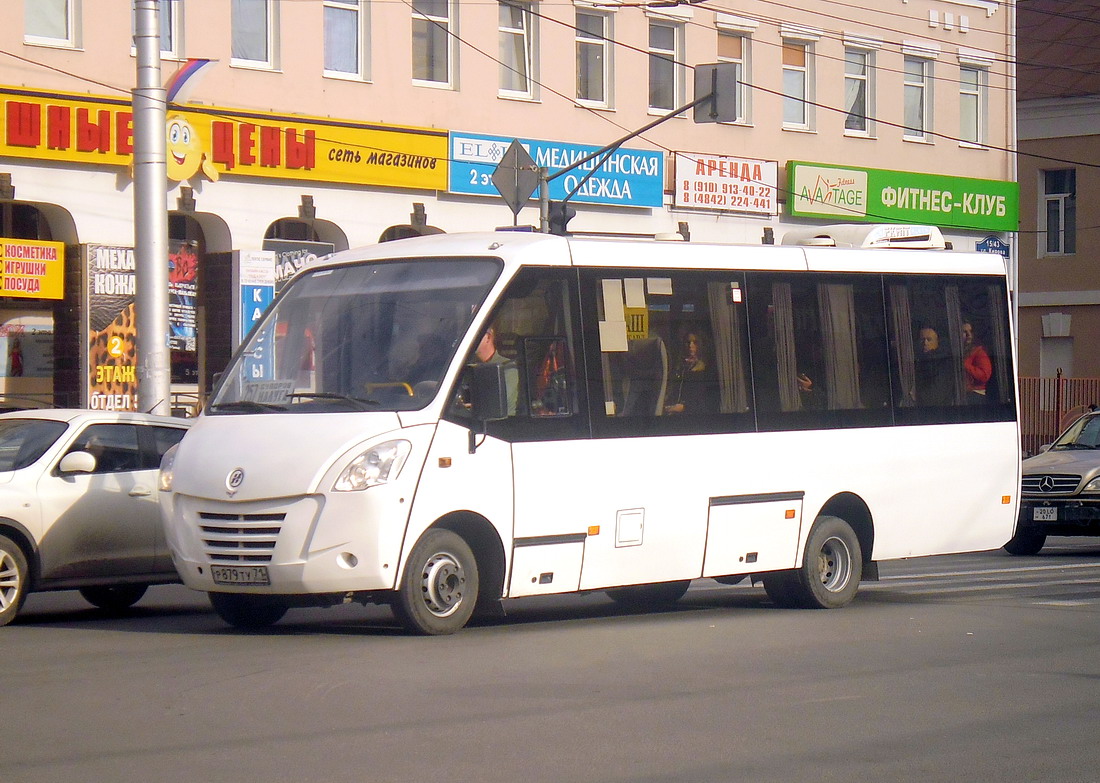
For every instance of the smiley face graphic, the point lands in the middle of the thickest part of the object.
(185, 152)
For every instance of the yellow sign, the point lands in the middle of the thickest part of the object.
(33, 270)
(217, 142)
(637, 322)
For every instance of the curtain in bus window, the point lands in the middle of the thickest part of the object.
(903, 346)
(955, 321)
(836, 307)
(729, 352)
(785, 359)
(998, 337)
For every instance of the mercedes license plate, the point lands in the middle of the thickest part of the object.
(1045, 514)
(240, 575)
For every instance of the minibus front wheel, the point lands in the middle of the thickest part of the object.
(438, 591)
(242, 610)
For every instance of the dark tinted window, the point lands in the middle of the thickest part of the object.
(22, 441)
(163, 438)
(115, 447)
(668, 351)
(531, 334)
(819, 350)
(950, 346)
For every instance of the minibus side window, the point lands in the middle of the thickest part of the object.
(819, 351)
(949, 345)
(530, 332)
(672, 348)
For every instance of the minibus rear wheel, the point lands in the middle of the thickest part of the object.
(832, 567)
(248, 611)
(439, 589)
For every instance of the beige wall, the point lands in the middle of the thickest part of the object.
(1067, 284)
(104, 62)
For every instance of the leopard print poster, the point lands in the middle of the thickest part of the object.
(112, 330)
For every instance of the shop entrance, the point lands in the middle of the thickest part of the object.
(37, 321)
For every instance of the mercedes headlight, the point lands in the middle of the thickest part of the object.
(1092, 486)
(377, 465)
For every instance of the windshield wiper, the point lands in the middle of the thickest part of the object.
(361, 403)
(247, 405)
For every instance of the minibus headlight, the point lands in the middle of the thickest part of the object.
(167, 469)
(377, 465)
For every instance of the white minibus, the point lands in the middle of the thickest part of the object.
(447, 422)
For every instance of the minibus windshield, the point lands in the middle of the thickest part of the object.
(362, 337)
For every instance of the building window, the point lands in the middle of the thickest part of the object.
(255, 25)
(171, 23)
(52, 22)
(517, 49)
(665, 90)
(1059, 217)
(859, 91)
(734, 48)
(797, 85)
(972, 103)
(593, 58)
(918, 98)
(345, 38)
(432, 49)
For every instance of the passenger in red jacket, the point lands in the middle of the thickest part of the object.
(976, 363)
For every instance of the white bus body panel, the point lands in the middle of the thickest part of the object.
(326, 541)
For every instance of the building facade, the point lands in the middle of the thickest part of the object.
(1059, 132)
(298, 128)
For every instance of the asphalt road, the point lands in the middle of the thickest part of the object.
(965, 668)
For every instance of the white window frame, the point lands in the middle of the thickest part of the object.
(271, 61)
(972, 121)
(804, 96)
(1065, 203)
(868, 48)
(585, 42)
(361, 8)
(744, 109)
(527, 38)
(676, 54)
(449, 24)
(171, 15)
(73, 25)
(922, 85)
(974, 100)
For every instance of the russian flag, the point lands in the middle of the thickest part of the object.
(179, 84)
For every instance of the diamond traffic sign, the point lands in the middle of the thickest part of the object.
(516, 176)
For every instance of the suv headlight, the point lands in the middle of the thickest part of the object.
(167, 469)
(377, 465)
(1092, 486)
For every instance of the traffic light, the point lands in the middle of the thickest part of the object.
(560, 215)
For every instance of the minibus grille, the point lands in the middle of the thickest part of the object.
(240, 538)
(1050, 484)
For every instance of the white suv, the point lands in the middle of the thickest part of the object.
(78, 505)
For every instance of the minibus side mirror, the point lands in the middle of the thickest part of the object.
(488, 391)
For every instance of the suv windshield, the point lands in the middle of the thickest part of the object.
(23, 441)
(363, 337)
(1082, 434)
